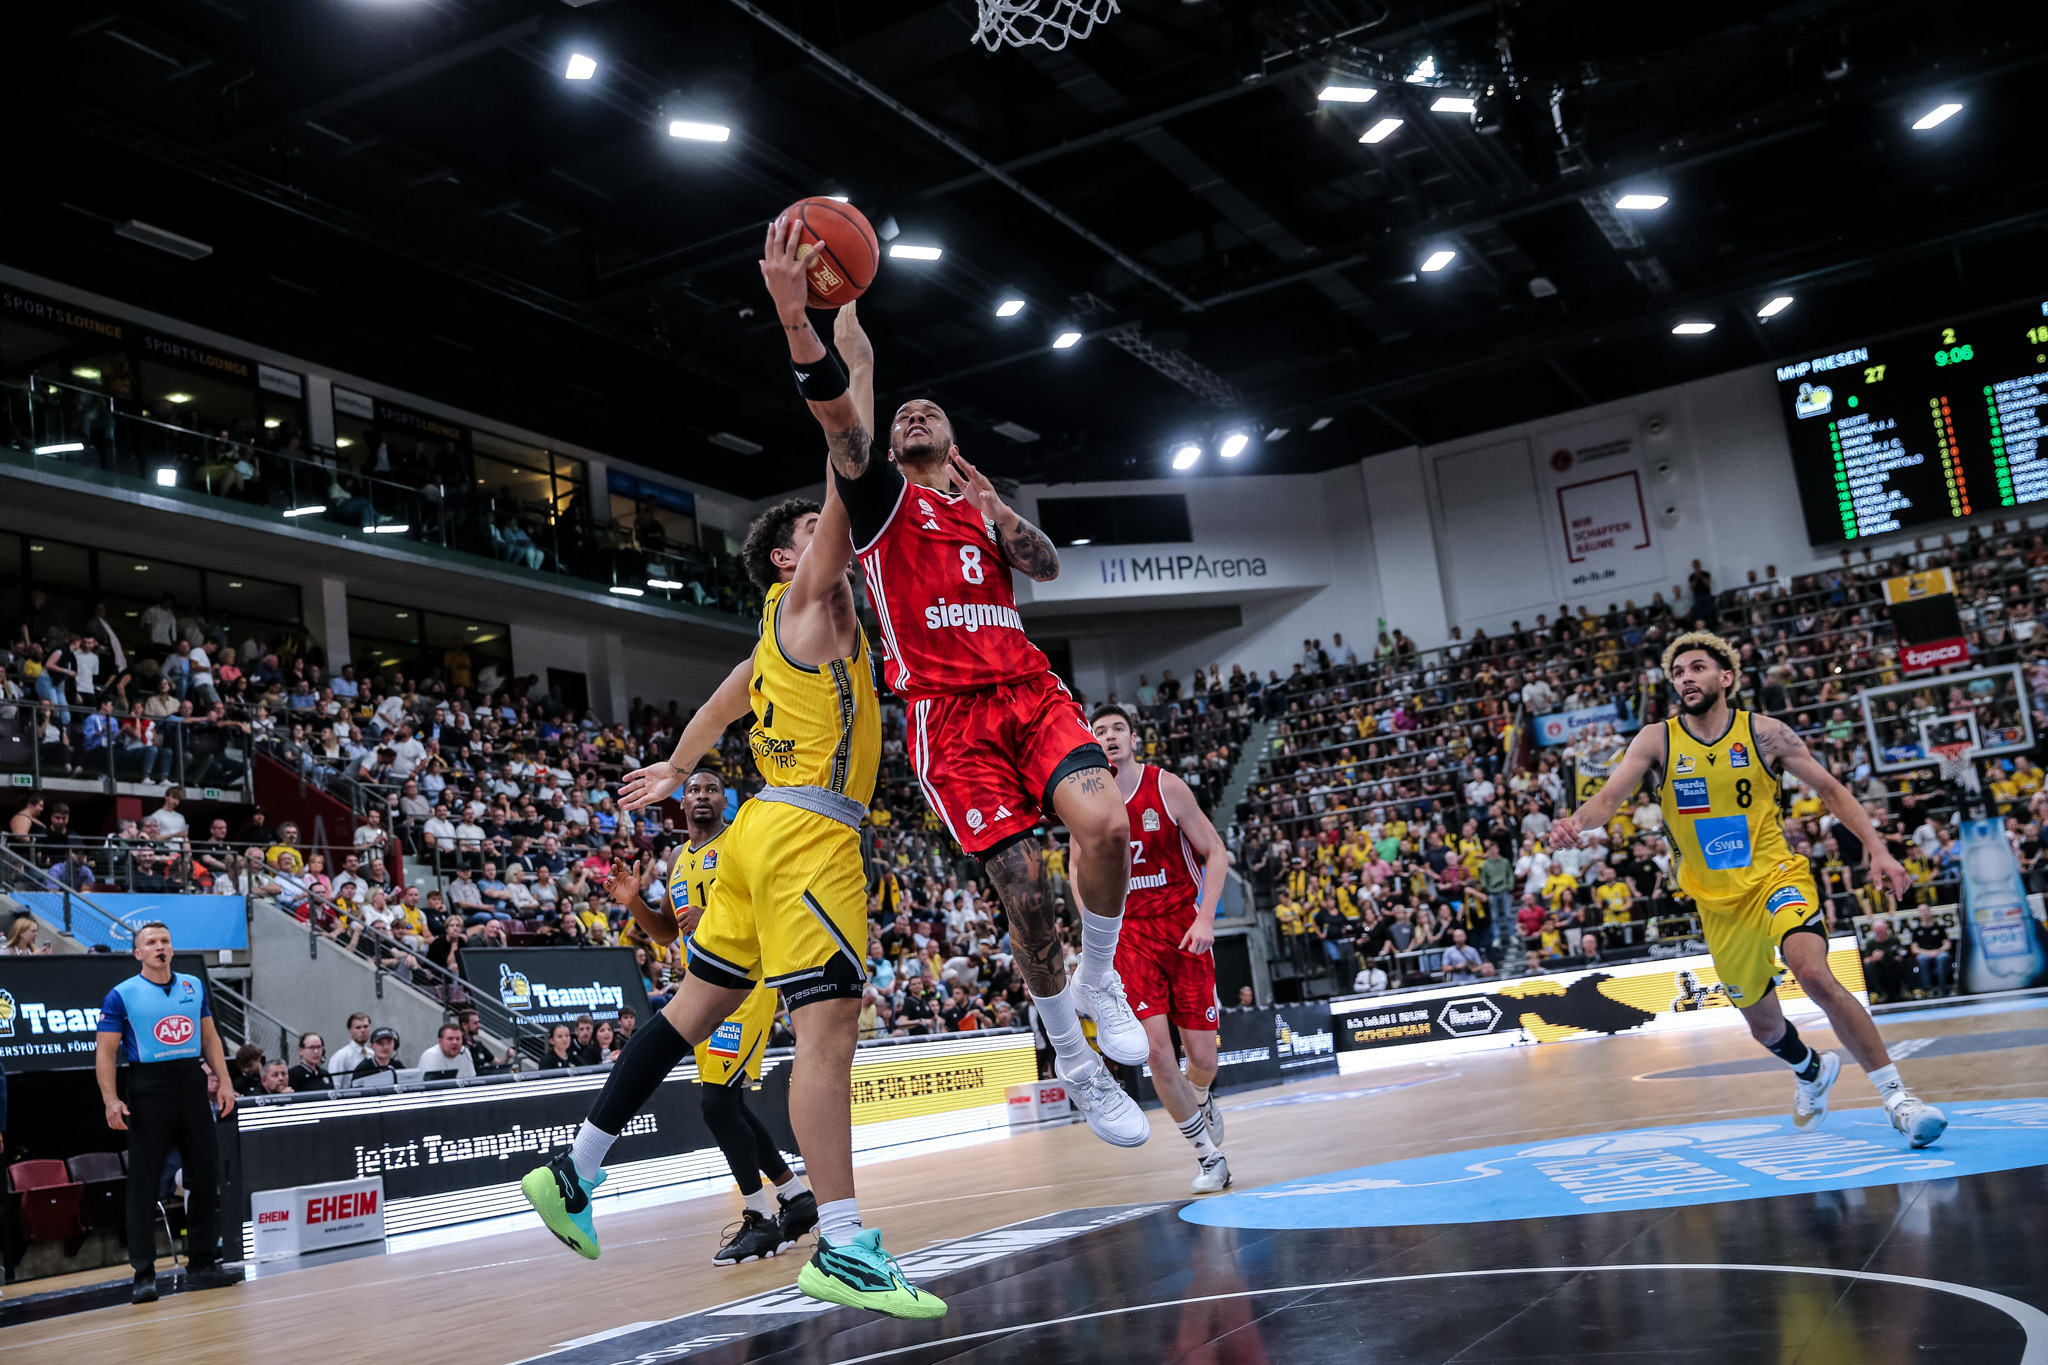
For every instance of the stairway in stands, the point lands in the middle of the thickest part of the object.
(1257, 747)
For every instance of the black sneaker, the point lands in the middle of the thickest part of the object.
(757, 1239)
(145, 1287)
(214, 1276)
(797, 1217)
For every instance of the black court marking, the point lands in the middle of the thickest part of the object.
(1943, 1272)
(1946, 1045)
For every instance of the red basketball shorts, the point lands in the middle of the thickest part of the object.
(1159, 978)
(988, 759)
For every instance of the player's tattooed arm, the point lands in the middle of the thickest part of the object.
(848, 450)
(1024, 546)
(1019, 878)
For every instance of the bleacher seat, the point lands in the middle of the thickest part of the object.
(49, 1203)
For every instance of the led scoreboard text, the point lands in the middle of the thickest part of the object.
(1925, 427)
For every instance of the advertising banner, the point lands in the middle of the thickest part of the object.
(197, 355)
(50, 1006)
(1594, 474)
(201, 923)
(2003, 947)
(1562, 727)
(1646, 995)
(317, 1217)
(1260, 1045)
(548, 986)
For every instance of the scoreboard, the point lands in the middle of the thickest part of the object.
(1923, 428)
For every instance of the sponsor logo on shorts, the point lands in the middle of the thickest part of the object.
(1210, 1014)
(725, 1040)
(1150, 821)
(1783, 898)
(1690, 795)
(1738, 756)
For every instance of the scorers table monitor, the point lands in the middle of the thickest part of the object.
(1935, 425)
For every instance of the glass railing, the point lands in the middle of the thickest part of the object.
(43, 740)
(81, 431)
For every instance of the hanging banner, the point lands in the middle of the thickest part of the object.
(194, 355)
(349, 403)
(1563, 727)
(284, 382)
(548, 986)
(42, 312)
(1595, 479)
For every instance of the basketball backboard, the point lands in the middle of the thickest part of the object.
(1906, 722)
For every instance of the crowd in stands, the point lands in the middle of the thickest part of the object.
(1396, 827)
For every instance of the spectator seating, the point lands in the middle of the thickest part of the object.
(49, 1203)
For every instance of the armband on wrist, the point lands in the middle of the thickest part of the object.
(820, 380)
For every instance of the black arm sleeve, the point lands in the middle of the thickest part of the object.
(871, 499)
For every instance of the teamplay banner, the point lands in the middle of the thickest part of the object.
(1642, 996)
(50, 1006)
(1260, 1045)
(542, 987)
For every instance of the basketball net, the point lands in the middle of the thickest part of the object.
(1019, 23)
(1956, 767)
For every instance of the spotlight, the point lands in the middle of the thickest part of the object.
(61, 448)
(1346, 94)
(1234, 444)
(311, 509)
(914, 253)
(1940, 113)
(1692, 329)
(1775, 306)
(581, 68)
(177, 398)
(391, 528)
(1185, 457)
(1065, 339)
(1438, 260)
(1641, 203)
(1277, 433)
(1009, 308)
(1380, 131)
(668, 584)
(699, 132)
(1452, 104)
(85, 372)
(1320, 423)
(167, 477)
(1425, 70)
(621, 590)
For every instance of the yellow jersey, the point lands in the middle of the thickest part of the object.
(693, 873)
(1720, 804)
(814, 726)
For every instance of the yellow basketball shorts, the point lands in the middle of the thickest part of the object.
(1744, 935)
(790, 908)
(732, 1054)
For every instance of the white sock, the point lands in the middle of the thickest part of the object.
(1201, 1093)
(758, 1201)
(589, 1148)
(792, 1187)
(1098, 946)
(1886, 1079)
(839, 1221)
(1062, 1026)
(1197, 1132)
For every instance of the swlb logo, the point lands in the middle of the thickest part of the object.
(1690, 794)
(515, 992)
(173, 1030)
(1150, 821)
(1469, 1017)
(1724, 842)
(1738, 756)
(1813, 400)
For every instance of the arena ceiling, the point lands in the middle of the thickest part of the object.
(413, 190)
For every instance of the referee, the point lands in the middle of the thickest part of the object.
(162, 1022)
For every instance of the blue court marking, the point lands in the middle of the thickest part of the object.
(1638, 1168)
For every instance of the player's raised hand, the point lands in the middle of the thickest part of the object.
(624, 884)
(851, 340)
(648, 786)
(977, 487)
(782, 269)
(1565, 833)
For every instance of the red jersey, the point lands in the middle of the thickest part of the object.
(1166, 877)
(941, 589)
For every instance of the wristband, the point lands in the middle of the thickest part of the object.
(820, 380)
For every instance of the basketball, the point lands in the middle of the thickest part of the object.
(838, 249)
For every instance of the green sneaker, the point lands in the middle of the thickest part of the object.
(562, 1199)
(862, 1275)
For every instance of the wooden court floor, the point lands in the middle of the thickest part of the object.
(500, 1299)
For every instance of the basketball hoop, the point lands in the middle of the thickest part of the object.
(1955, 765)
(1020, 23)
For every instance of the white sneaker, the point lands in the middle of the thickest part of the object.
(1213, 1117)
(1113, 1115)
(1920, 1121)
(1118, 1033)
(1214, 1177)
(1811, 1104)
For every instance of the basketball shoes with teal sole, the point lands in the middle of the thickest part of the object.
(562, 1199)
(859, 1274)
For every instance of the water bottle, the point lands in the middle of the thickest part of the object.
(2004, 948)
